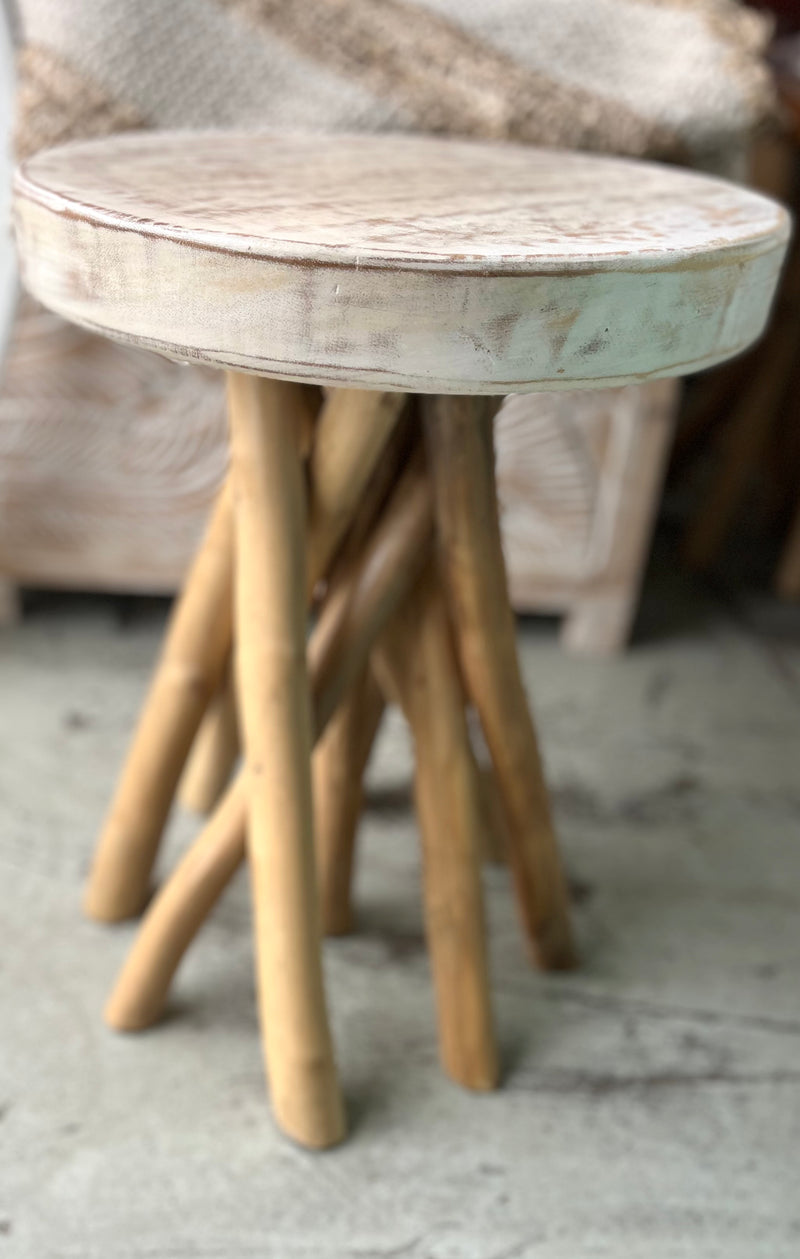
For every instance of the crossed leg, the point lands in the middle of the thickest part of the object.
(365, 589)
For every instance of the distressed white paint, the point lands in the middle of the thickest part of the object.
(402, 262)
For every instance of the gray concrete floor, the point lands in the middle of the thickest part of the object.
(651, 1101)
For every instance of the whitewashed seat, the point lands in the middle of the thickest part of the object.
(403, 263)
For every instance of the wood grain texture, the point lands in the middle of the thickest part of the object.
(354, 614)
(415, 663)
(353, 428)
(400, 263)
(461, 458)
(215, 752)
(788, 576)
(364, 593)
(274, 698)
(338, 766)
(189, 671)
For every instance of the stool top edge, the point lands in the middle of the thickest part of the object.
(519, 240)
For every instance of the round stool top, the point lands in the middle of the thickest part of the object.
(398, 262)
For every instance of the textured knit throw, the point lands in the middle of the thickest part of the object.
(680, 79)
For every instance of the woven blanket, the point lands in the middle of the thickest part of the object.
(681, 79)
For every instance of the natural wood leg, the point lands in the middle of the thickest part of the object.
(415, 661)
(339, 762)
(199, 636)
(749, 423)
(401, 449)
(712, 395)
(341, 757)
(364, 593)
(360, 603)
(217, 744)
(459, 437)
(788, 580)
(177, 912)
(495, 826)
(780, 472)
(351, 435)
(273, 693)
(215, 752)
(747, 433)
(189, 671)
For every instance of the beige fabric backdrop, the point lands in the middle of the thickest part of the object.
(677, 78)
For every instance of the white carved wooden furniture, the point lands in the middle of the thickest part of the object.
(377, 268)
(579, 477)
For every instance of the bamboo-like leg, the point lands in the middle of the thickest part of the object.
(352, 431)
(749, 423)
(353, 428)
(360, 603)
(217, 744)
(401, 449)
(495, 824)
(177, 912)
(415, 662)
(341, 758)
(365, 593)
(273, 691)
(788, 580)
(460, 446)
(338, 766)
(746, 436)
(215, 752)
(189, 671)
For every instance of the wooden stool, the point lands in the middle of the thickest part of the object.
(378, 268)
